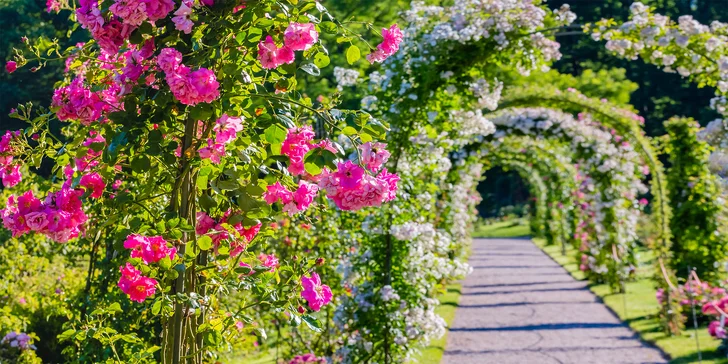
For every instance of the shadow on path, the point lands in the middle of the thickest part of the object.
(524, 308)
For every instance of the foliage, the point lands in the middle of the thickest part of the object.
(698, 241)
(178, 167)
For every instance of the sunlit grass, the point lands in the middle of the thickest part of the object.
(504, 229)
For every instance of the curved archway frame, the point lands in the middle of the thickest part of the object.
(625, 123)
(535, 155)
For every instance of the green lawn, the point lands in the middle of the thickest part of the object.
(641, 312)
(504, 229)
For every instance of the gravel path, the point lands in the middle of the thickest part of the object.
(519, 306)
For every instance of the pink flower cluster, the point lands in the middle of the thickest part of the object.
(217, 231)
(17, 340)
(717, 308)
(9, 171)
(93, 183)
(374, 155)
(135, 285)
(134, 66)
(90, 159)
(307, 358)
(352, 188)
(299, 141)
(714, 301)
(189, 87)
(297, 37)
(151, 249)
(76, 102)
(109, 34)
(225, 131)
(269, 260)
(389, 46)
(60, 216)
(181, 17)
(317, 294)
(135, 12)
(293, 202)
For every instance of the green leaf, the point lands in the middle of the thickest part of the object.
(67, 335)
(275, 134)
(227, 185)
(141, 164)
(328, 27)
(312, 323)
(353, 54)
(311, 69)
(207, 202)
(349, 131)
(157, 307)
(312, 168)
(202, 111)
(321, 60)
(204, 242)
(165, 263)
(254, 34)
(114, 307)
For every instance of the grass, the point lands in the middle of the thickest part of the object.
(639, 308)
(503, 229)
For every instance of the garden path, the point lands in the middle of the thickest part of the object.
(519, 306)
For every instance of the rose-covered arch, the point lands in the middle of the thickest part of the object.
(551, 162)
(609, 175)
(626, 124)
(537, 190)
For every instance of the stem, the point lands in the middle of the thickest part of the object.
(186, 193)
(89, 276)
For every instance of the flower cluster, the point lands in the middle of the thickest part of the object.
(135, 285)
(297, 37)
(225, 131)
(110, 34)
(151, 249)
(293, 202)
(352, 187)
(238, 235)
(307, 358)
(21, 340)
(345, 77)
(60, 216)
(181, 19)
(389, 46)
(317, 294)
(77, 102)
(687, 47)
(298, 142)
(9, 169)
(93, 183)
(135, 12)
(189, 87)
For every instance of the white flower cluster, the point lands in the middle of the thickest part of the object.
(463, 198)
(471, 124)
(487, 96)
(686, 47)
(345, 77)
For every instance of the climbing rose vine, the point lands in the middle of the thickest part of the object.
(184, 144)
